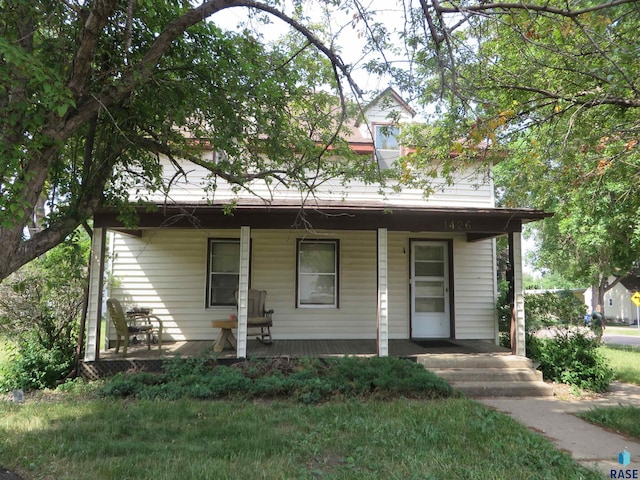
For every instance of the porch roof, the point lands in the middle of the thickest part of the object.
(476, 223)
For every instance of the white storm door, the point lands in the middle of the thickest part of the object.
(430, 313)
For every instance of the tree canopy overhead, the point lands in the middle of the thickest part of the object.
(92, 92)
(557, 85)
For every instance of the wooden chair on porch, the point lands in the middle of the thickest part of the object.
(258, 316)
(124, 330)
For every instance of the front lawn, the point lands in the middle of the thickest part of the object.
(625, 362)
(80, 438)
(624, 419)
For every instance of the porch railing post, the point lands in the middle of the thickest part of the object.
(94, 308)
(243, 291)
(383, 295)
(517, 312)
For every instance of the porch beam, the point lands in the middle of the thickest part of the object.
(96, 284)
(474, 223)
(518, 329)
(383, 295)
(243, 291)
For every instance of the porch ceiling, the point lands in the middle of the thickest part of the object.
(476, 223)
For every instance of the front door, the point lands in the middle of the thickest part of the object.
(430, 312)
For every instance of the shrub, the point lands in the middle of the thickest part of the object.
(33, 366)
(40, 306)
(572, 358)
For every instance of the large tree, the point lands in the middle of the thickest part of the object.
(91, 92)
(556, 85)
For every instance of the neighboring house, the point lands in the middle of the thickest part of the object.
(617, 301)
(395, 266)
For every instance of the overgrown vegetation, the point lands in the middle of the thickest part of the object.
(40, 307)
(337, 440)
(569, 356)
(573, 358)
(624, 419)
(305, 380)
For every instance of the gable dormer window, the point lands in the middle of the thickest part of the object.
(387, 147)
(387, 137)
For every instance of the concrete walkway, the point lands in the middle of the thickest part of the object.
(554, 417)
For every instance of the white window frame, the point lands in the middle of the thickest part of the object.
(335, 274)
(210, 273)
(378, 132)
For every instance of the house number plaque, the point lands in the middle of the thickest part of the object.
(457, 225)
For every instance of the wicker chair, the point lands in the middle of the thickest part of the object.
(124, 330)
(258, 316)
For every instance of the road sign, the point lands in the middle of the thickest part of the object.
(635, 298)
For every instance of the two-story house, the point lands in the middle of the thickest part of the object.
(349, 264)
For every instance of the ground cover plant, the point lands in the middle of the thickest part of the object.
(86, 437)
(624, 419)
(309, 380)
(625, 362)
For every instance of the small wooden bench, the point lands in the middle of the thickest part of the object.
(226, 337)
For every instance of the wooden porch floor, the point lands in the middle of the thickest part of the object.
(300, 348)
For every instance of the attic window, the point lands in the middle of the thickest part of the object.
(387, 148)
(387, 137)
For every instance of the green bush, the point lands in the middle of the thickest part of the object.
(306, 380)
(571, 358)
(553, 308)
(40, 308)
(32, 366)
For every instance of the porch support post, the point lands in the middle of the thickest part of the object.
(383, 295)
(243, 291)
(96, 284)
(518, 332)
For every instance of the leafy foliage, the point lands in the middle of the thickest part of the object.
(93, 93)
(572, 358)
(306, 380)
(553, 308)
(542, 309)
(551, 89)
(40, 307)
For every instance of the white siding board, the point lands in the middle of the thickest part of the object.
(471, 188)
(166, 271)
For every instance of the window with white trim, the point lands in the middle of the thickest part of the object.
(223, 271)
(317, 274)
(386, 144)
(387, 137)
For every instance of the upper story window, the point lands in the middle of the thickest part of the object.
(387, 147)
(223, 271)
(317, 273)
(387, 137)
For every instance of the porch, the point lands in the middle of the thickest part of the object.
(139, 358)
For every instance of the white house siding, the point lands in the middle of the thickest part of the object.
(474, 285)
(470, 189)
(617, 303)
(166, 270)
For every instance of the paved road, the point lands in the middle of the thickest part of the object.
(621, 339)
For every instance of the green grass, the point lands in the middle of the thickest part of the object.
(615, 330)
(625, 362)
(625, 419)
(78, 438)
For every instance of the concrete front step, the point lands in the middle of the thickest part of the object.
(473, 360)
(488, 375)
(504, 389)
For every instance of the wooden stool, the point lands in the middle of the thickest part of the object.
(226, 335)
